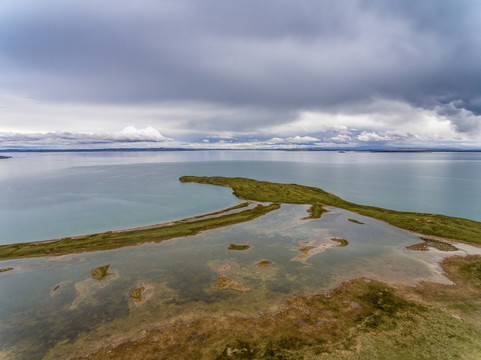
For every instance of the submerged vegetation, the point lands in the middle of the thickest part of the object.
(423, 223)
(427, 243)
(117, 239)
(238, 247)
(101, 272)
(225, 283)
(358, 320)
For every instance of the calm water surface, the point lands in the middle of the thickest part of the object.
(50, 195)
(53, 195)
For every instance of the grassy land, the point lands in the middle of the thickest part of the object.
(114, 240)
(472, 273)
(239, 206)
(428, 224)
(316, 211)
(238, 247)
(101, 272)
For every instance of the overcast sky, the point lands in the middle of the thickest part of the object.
(240, 74)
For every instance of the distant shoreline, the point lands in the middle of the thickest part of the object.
(374, 150)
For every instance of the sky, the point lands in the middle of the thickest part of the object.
(240, 74)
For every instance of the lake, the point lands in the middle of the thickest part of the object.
(51, 307)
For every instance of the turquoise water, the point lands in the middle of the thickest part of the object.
(50, 195)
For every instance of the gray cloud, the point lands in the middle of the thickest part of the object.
(128, 137)
(266, 60)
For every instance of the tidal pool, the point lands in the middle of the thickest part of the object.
(53, 308)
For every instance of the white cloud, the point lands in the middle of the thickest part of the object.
(341, 138)
(131, 133)
(372, 136)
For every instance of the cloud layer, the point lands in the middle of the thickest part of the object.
(356, 72)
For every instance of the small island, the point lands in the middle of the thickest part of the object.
(356, 221)
(342, 242)
(238, 247)
(101, 272)
(136, 294)
(264, 263)
(6, 269)
(305, 251)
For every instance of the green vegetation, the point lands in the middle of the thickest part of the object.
(305, 251)
(342, 242)
(428, 224)
(316, 211)
(356, 221)
(114, 240)
(472, 273)
(264, 263)
(136, 294)
(6, 269)
(238, 247)
(101, 272)
(239, 206)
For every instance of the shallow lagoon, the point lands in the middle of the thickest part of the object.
(179, 278)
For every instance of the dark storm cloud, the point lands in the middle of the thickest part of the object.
(278, 55)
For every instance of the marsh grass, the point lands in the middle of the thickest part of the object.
(357, 321)
(6, 269)
(423, 223)
(101, 272)
(472, 273)
(136, 294)
(356, 221)
(238, 247)
(316, 211)
(264, 263)
(342, 242)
